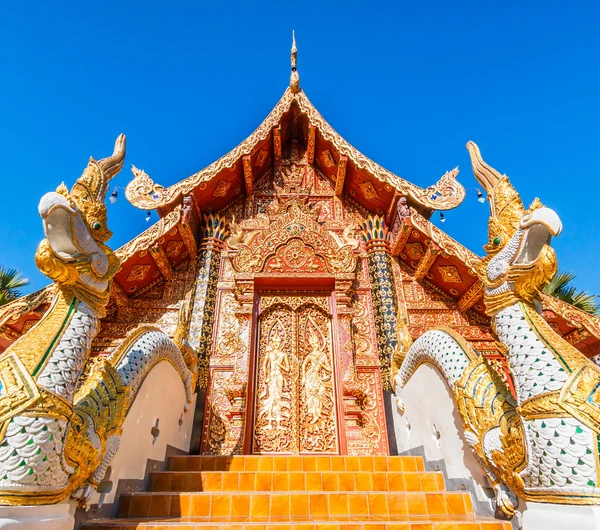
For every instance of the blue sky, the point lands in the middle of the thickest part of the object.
(407, 83)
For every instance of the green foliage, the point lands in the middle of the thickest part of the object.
(561, 288)
(11, 280)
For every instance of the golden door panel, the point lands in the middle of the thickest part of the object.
(295, 404)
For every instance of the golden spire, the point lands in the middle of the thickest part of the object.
(295, 77)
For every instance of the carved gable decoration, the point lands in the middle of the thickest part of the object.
(294, 242)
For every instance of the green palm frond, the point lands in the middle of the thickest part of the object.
(11, 280)
(560, 287)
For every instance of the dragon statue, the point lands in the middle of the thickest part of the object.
(543, 446)
(58, 433)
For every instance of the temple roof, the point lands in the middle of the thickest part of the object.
(295, 118)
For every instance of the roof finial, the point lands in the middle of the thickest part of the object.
(295, 77)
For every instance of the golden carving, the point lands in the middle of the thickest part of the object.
(138, 273)
(221, 188)
(368, 190)
(450, 274)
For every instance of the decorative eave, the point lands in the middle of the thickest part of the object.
(144, 193)
(412, 239)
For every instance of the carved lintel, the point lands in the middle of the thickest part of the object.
(162, 261)
(429, 256)
(277, 143)
(247, 162)
(389, 216)
(473, 293)
(341, 176)
(343, 291)
(118, 294)
(401, 238)
(310, 149)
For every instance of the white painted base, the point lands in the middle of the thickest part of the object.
(50, 517)
(541, 515)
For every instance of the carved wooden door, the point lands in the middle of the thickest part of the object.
(295, 408)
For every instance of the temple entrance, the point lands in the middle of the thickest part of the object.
(295, 403)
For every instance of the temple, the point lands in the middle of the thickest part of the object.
(295, 344)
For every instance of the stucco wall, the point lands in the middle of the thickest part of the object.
(162, 398)
(430, 420)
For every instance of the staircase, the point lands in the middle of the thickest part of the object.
(296, 493)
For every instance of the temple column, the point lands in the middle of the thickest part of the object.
(214, 232)
(375, 234)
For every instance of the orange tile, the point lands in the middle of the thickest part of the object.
(309, 463)
(323, 463)
(352, 463)
(193, 463)
(251, 463)
(280, 505)
(230, 481)
(380, 463)
(440, 482)
(399, 526)
(396, 481)
(417, 504)
(419, 463)
(246, 482)
(280, 463)
(180, 504)
(240, 505)
(338, 504)
(208, 463)
(294, 463)
(312, 481)
(263, 481)
(377, 504)
(412, 482)
(265, 463)
(318, 505)
(397, 504)
(330, 481)
(160, 482)
(436, 504)
(193, 505)
(380, 481)
(468, 503)
(299, 505)
(469, 526)
(363, 482)
(211, 481)
(220, 505)
(337, 463)
(140, 505)
(160, 505)
(305, 527)
(429, 481)
(365, 463)
(195, 481)
(491, 526)
(296, 481)
(237, 463)
(176, 463)
(281, 481)
(445, 526)
(259, 506)
(124, 502)
(395, 463)
(357, 504)
(422, 526)
(327, 526)
(351, 527)
(455, 503)
(346, 481)
(223, 463)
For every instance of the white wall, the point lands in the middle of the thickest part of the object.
(429, 407)
(162, 397)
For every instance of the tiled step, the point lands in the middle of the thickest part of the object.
(295, 463)
(217, 507)
(248, 481)
(192, 524)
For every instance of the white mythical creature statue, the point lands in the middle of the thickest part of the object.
(57, 439)
(543, 446)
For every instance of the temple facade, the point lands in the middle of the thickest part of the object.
(294, 316)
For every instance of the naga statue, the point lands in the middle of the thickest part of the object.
(58, 434)
(544, 445)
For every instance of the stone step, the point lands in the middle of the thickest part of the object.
(250, 481)
(295, 463)
(216, 507)
(194, 524)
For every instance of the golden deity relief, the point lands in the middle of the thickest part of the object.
(295, 400)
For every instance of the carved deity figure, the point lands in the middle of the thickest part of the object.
(316, 379)
(276, 367)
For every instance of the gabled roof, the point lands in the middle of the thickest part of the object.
(294, 116)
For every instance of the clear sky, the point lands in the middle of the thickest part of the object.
(407, 83)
